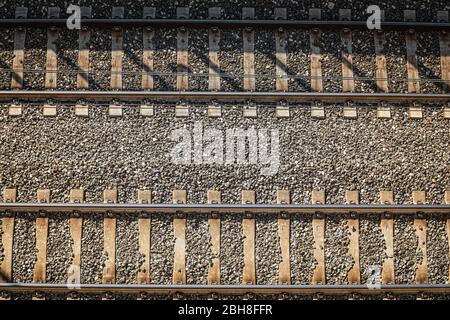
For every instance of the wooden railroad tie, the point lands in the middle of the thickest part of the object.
(148, 42)
(348, 82)
(214, 48)
(387, 228)
(284, 233)
(84, 38)
(182, 51)
(411, 49)
(19, 48)
(117, 50)
(51, 69)
(316, 65)
(179, 230)
(249, 51)
(109, 239)
(381, 65)
(144, 225)
(214, 197)
(318, 223)
(249, 232)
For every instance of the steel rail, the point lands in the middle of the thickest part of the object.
(223, 208)
(222, 23)
(225, 289)
(223, 96)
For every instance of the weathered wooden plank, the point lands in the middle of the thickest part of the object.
(109, 240)
(115, 109)
(415, 111)
(383, 111)
(354, 274)
(349, 111)
(51, 69)
(214, 48)
(144, 226)
(447, 201)
(282, 110)
(316, 64)
(444, 44)
(317, 110)
(420, 224)
(411, 49)
(81, 110)
(249, 51)
(76, 227)
(19, 47)
(182, 51)
(348, 82)
(179, 230)
(148, 50)
(214, 233)
(387, 228)
(15, 110)
(318, 222)
(39, 272)
(84, 38)
(117, 51)
(9, 195)
(146, 110)
(281, 83)
(284, 230)
(214, 110)
(381, 71)
(249, 232)
(49, 109)
(250, 110)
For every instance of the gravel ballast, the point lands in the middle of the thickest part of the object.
(372, 248)
(231, 58)
(302, 249)
(198, 248)
(405, 249)
(34, 63)
(92, 257)
(298, 60)
(367, 154)
(198, 59)
(396, 62)
(24, 247)
(268, 252)
(364, 61)
(337, 259)
(128, 258)
(429, 62)
(161, 250)
(6, 57)
(59, 248)
(232, 249)
(437, 248)
(425, 9)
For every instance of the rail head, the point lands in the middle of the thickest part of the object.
(223, 23)
(224, 208)
(225, 289)
(175, 96)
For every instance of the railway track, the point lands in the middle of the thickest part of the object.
(125, 75)
(320, 71)
(179, 212)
